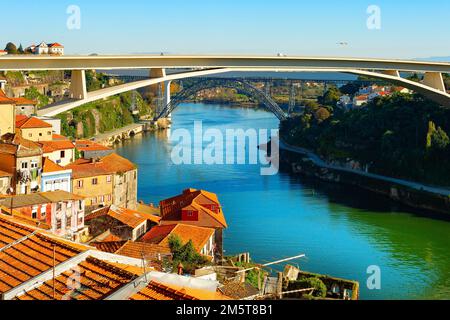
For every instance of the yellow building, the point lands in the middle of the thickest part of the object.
(7, 114)
(105, 181)
(34, 129)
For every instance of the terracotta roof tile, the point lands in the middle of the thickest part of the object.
(23, 101)
(87, 145)
(159, 291)
(108, 246)
(141, 249)
(194, 199)
(49, 166)
(199, 236)
(111, 164)
(127, 217)
(31, 123)
(97, 279)
(4, 99)
(58, 145)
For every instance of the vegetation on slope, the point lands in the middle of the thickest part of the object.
(404, 136)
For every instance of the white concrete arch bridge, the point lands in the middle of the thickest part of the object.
(389, 70)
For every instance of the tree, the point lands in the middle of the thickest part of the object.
(33, 93)
(11, 48)
(331, 97)
(186, 254)
(20, 50)
(322, 114)
(350, 88)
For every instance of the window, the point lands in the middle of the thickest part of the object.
(190, 214)
(24, 165)
(94, 201)
(58, 206)
(95, 181)
(135, 175)
(49, 133)
(58, 224)
(101, 199)
(34, 213)
(80, 184)
(40, 134)
(34, 165)
(30, 135)
(109, 198)
(63, 154)
(108, 179)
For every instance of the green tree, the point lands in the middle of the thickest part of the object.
(11, 48)
(185, 254)
(331, 97)
(320, 289)
(350, 88)
(33, 93)
(20, 50)
(322, 114)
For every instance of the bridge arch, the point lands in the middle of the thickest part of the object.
(241, 85)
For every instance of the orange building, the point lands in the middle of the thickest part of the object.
(198, 208)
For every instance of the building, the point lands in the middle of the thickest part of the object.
(123, 223)
(34, 129)
(41, 48)
(360, 100)
(23, 159)
(61, 211)
(5, 182)
(198, 208)
(105, 181)
(7, 114)
(25, 106)
(56, 125)
(46, 48)
(61, 152)
(56, 48)
(29, 271)
(3, 53)
(90, 149)
(54, 177)
(203, 239)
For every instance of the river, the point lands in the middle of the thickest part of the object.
(342, 231)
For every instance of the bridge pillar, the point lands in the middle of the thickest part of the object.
(434, 80)
(78, 88)
(156, 73)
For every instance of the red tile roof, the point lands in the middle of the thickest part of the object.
(49, 166)
(87, 145)
(111, 164)
(55, 45)
(139, 250)
(5, 174)
(29, 257)
(58, 145)
(194, 200)
(127, 217)
(97, 280)
(160, 235)
(108, 246)
(31, 123)
(4, 99)
(23, 101)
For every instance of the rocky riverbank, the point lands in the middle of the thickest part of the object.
(299, 164)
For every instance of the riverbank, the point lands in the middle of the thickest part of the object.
(300, 161)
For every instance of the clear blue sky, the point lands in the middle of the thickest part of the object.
(409, 29)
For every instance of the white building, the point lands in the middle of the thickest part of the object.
(41, 49)
(56, 48)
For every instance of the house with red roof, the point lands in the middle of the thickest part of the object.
(105, 181)
(61, 151)
(202, 238)
(34, 129)
(54, 177)
(198, 208)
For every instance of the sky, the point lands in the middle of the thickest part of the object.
(407, 28)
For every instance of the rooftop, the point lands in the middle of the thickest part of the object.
(58, 145)
(88, 145)
(31, 123)
(26, 200)
(194, 200)
(49, 166)
(111, 164)
(160, 235)
(127, 217)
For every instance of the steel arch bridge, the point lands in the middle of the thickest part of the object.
(239, 84)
